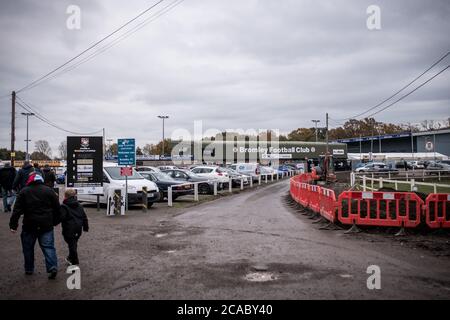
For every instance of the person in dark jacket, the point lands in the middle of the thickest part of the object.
(37, 168)
(49, 176)
(22, 176)
(40, 208)
(7, 176)
(73, 221)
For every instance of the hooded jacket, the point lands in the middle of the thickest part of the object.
(39, 206)
(21, 178)
(49, 177)
(73, 218)
(7, 175)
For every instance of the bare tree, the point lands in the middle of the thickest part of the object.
(62, 150)
(43, 147)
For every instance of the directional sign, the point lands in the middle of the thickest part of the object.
(126, 151)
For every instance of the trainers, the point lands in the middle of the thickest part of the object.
(52, 275)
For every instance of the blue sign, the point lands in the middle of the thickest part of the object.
(126, 151)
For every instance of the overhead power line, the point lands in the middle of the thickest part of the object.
(89, 48)
(41, 117)
(396, 93)
(107, 46)
(409, 93)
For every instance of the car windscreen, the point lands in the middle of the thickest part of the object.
(114, 173)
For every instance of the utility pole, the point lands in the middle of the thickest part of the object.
(412, 140)
(326, 133)
(163, 118)
(316, 121)
(13, 126)
(27, 114)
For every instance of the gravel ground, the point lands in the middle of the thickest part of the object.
(251, 245)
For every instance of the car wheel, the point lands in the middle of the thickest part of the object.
(149, 204)
(161, 196)
(204, 188)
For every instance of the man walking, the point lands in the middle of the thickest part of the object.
(7, 176)
(49, 176)
(40, 208)
(22, 176)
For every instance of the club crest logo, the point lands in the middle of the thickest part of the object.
(85, 142)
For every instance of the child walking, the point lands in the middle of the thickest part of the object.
(73, 222)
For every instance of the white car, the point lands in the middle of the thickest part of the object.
(162, 168)
(212, 172)
(113, 179)
(370, 167)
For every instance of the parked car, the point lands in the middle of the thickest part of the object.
(265, 170)
(416, 165)
(436, 167)
(147, 169)
(212, 172)
(236, 177)
(113, 179)
(250, 169)
(204, 186)
(162, 168)
(163, 181)
(377, 167)
(61, 178)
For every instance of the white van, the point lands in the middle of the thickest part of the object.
(113, 179)
(250, 169)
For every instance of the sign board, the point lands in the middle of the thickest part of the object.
(85, 164)
(126, 171)
(13, 154)
(126, 151)
(429, 146)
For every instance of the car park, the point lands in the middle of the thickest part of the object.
(164, 181)
(205, 186)
(112, 179)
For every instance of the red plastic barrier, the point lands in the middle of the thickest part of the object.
(390, 209)
(303, 195)
(314, 197)
(328, 204)
(437, 210)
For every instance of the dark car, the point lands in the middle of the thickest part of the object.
(164, 181)
(205, 187)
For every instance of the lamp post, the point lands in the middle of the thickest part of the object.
(27, 114)
(163, 118)
(316, 122)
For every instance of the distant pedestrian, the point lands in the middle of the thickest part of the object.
(40, 208)
(7, 176)
(73, 221)
(37, 169)
(21, 178)
(49, 176)
(405, 163)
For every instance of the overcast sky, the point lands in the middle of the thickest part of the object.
(271, 64)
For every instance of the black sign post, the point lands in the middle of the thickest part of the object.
(85, 164)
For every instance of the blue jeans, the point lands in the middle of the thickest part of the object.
(5, 194)
(46, 242)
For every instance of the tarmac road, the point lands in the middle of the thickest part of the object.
(215, 250)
